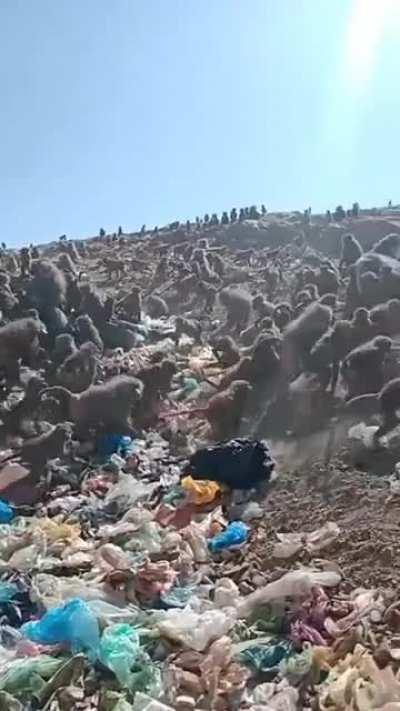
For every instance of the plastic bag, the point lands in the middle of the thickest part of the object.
(114, 444)
(193, 629)
(296, 583)
(226, 593)
(197, 542)
(73, 623)
(130, 490)
(239, 463)
(7, 512)
(25, 677)
(177, 596)
(119, 647)
(263, 657)
(201, 491)
(235, 534)
(7, 591)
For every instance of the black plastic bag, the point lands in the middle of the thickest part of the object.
(238, 463)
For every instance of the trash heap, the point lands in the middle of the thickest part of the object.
(128, 594)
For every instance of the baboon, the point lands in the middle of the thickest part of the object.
(156, 307)
(157, 382)
(25, 261)
(258, 368)
(35, 453)
(262, 307)
(328, 281)
(64, 346)
(363, 368)
(226, 351)
(389, 246)
(55, 320)
(282, 315)
(116, 335)
(238, 308)
(370, 288)
(328, 300)
(72, 252)
(87, 331)
(48, 286)
(14, 418)
(387, 401)
(12, 264)
(301, 334)
(8, 300)
(386, 318)
(218, 264)
(209, 293)
(105, 406)
(114, 266)
(92, 305)
(351, 250)
(362, 328)
(189, 327)
(225, 410)
(19, 340)
(131, 304)
(78, 371)
(65, 263)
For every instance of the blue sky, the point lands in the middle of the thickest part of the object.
(126, 112)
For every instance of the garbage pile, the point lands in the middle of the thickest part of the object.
(128, 594)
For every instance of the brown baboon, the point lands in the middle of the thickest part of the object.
(156, 307)
(48, 286)
(14, 418)
(114, 266)
(64, 346)
(189, 327)
(363, 368)
(351, 251)
(107, 405)
(25, 261)
(78, 371)
(226, 351)
(87, 331)
(238, 307)
(19, 340)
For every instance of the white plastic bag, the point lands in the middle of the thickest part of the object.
(195, 630)
(297, 584)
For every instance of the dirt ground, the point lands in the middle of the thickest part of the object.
(367, 552)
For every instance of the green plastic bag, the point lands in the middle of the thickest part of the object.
(119, 649)
(265, 657)
(27, 677)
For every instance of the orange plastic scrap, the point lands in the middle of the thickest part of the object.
(200, 491)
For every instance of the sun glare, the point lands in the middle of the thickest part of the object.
(367, 24)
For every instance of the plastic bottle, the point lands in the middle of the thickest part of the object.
(234, 535)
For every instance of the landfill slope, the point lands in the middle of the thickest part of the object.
(185, 543)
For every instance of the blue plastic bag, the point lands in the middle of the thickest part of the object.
(109, 444)
(234, 534)
(73, 623)
(7, 512)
